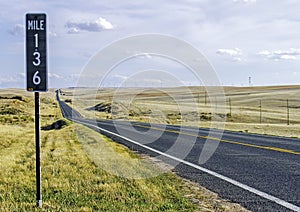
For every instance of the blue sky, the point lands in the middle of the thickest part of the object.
(240, 38)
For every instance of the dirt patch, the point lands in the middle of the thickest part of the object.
(20, 98)
(68, 101)
(102, 107)
(55, 126)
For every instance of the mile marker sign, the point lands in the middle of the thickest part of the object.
(36, 52)
(36, 64)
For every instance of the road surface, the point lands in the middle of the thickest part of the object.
(262, 173)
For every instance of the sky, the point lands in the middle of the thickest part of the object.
(240, 38)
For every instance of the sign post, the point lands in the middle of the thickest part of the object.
(36, 65)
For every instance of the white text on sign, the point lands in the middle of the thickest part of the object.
(35, 25)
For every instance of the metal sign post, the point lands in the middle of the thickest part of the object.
(38, 150)
(36, 64)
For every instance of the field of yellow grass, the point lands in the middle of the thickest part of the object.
(272, 110)
(75, 176)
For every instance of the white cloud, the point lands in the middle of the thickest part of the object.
(140, 54)
(75, 76)
(104, 24)
(73, 30)
(121, 77)
(7, 80)
(244, 1)
(14, 79)
(72, 78)
(53, 75)
(53, 34)
(233, 54)
(22, 74)
(97, 25)
(143, 55)
(17, 30)
(290, 54)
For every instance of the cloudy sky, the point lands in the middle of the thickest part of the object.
(241, 38)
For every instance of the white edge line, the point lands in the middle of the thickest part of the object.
(215, 174)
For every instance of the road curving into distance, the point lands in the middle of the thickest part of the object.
(262, 173)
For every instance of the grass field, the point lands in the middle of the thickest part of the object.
(74, 174)
(272, 110)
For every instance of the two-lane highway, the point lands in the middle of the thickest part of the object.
(262, 173)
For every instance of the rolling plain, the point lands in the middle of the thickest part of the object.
(72, 180)
(270, 110)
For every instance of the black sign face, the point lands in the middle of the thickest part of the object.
(36, 52)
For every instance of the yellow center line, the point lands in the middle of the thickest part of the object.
(225, 141)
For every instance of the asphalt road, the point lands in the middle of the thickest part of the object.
(262, 173)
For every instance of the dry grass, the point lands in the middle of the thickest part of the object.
(249, 109)
(76, 178)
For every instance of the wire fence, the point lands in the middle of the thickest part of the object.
(261, 110)
(265, 111)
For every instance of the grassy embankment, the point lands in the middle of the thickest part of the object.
(260, 110)
(73, 174)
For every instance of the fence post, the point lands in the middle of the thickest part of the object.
(260, 112)
(287, 113)
(230, 107)
(216, 104)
